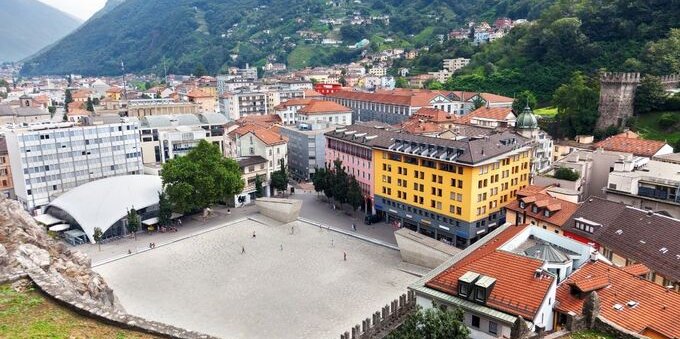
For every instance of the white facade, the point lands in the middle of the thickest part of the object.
(455, 64)
(378, 71)
(338, 118)
(48, 160)
(249, 145)
(238, 105)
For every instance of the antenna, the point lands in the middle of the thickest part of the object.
(122, 68)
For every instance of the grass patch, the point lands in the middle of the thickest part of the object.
(589, 334)
(31, 315)
(546, 111)
(648, 127)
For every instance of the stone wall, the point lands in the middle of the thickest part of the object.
(617, 93)
(382, 322)
(65, 275)
(670, 81)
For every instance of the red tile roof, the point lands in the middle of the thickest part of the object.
(658, 310)
(493, 113)
(636, 269)
(269, 137)
(267, 119)
(590, 283)
(516, 290)
(624, 143)
(561, 210)
(323, 107)
(197, 93)
(310, 93)
(432, 114)
(293, 102)
(412, 99)
(495, 98)
(114, 89)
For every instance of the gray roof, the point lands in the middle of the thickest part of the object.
(7, 110)
(213, 118)
(156, 121)
(546, 252)
(187, 119)
(247, 161)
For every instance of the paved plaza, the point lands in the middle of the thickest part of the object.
(284, 285)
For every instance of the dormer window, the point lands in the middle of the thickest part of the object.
(522, 204)
(480, 295)
(586, 225)
(546, 213)
(534, 209)
(465, 283)
(463, 289)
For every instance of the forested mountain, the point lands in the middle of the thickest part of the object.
(578, 35)
(183, 34)
(26, 26)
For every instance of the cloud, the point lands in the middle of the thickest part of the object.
(82, 9)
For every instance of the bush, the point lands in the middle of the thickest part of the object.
(668, 120)
(565, 173)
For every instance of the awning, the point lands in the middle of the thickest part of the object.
(150, 222)
(47, 220)
(59, 227)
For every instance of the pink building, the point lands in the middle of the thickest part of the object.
(353, 146)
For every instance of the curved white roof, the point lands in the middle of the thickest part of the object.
(103, 202)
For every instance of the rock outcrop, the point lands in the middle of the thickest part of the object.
(26, 246)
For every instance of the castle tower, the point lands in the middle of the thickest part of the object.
(617, 92)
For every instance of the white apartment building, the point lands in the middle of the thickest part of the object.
(378, 71)
(166, 137)
(236, 105)
(51, 158)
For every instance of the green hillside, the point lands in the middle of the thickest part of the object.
(181, 34)
(578, 35)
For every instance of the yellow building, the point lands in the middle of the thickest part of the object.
(451, 190)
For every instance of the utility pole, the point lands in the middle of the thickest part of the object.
(122, 67)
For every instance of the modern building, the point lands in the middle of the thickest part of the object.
(454, 190)
(306, 148)
(104, 204)
(241, 103)
(512, 273)
(206, 102)
(455, 64)
(164, 137)
(52, 158)
(628, 236)
(649, 185)
(319, 111)
(146, 107)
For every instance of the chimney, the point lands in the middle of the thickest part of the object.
(538, 273)
(593, 256)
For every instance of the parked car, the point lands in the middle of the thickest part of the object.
(371, 219)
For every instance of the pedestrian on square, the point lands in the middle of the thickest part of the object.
(332, 243)
(282, 247)
(354, 227)
(292, 230)
(243, 249)
(253, 234)
(344, 256)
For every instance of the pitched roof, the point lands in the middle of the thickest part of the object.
(642, 236)
(492, 113)
(495, 98)
(432, 114)
(197, 93)
(293, 102)
(323, 107)
(114, 89)
(248, 161)
(636, 269)
(657, 310)
(266, 119)
(510, 271)
(310, 93)
(639, 147)
(562, 209)
(414, 99)
(364, 134)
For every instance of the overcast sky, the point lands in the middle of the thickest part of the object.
(82, 9)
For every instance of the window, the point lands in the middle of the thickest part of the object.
(475, 321)
(534, 209)
(480, 294)
(546, 213)
(522, 204)
(493, 327)
(463, 290)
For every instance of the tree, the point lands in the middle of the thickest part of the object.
(200, 70)
(52, 110)
(164, 209)
(433, 323)
(280, 178)
(98, 237)
(200, 178)
(478, 101)
(566, 173)
(68, 98)
(668, 120)
(519, 329)
(650, 95)
(339, 182)
(521, 101)
(258, 186)
(90, 105)
(401, 82)
(133, 222)
(342, 81)
(576, 103)
(355, 196)
(260, 72)
(319, 180)
(434, 85)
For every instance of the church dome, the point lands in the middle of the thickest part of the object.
(526, 119)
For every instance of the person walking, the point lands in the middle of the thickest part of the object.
(354, 227)
(332, 242)
(253, 234)
(243, 250)
(344, 256)
(281, 247)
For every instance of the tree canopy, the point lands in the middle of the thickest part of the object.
(200, 178)
(433, 323)
(577, 102)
